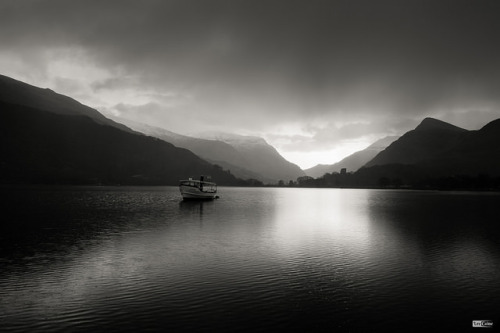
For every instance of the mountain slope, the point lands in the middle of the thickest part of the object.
(478, 152)
(213, 151)
(43, 147)
(429, 139)
(49, 138)
(436, 150)
(16, 92)
(246, 157)
(259, 157)
(354, 161)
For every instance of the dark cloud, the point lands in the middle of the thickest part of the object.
(349, 61)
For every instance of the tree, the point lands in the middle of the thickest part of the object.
(384, 182)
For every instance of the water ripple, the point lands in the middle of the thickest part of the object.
(137, 259)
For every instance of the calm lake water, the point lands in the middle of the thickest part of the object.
(138, 258)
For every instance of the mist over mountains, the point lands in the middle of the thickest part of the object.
(247, 157)
(259, 156)
(49, 138)
(433, 155)
(444, 149)
(354, 161)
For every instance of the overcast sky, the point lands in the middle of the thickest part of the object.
(317, 79)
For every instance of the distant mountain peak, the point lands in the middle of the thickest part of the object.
(435, 124)
(231, 137)
(354, 161)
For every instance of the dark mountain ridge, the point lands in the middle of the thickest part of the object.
(48, 138)
(432, 124)
(213, 151)
(354, 161)
(16, 92)
(429, 139)
(434, 155)
(435, 149)
(246, 157)
(48, 148)
(478, 152)
(52, 139)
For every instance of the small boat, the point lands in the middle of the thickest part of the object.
(192, 189)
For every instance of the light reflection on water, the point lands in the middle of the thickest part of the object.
(139, 258)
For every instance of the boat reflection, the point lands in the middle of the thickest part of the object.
(195, 207)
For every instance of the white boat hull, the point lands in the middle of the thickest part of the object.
(189, 192)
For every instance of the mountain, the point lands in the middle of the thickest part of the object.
(478, 152)
(52, 144)
(214, 151)
(16, 92)
(246, 157)
(437, 150)
(320, 169)
(259, 157)
(429, 139)
(354, 161)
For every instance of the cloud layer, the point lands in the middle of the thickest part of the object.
(338, 70)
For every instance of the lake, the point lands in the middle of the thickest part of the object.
(258, 259)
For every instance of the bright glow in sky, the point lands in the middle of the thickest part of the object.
(307, 160)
